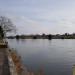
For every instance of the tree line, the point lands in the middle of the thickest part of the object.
(44, 36)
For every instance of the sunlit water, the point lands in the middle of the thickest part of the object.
(55, 57)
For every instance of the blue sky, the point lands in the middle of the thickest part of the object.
(40, 16)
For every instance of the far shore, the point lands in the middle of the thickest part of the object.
(44, 36)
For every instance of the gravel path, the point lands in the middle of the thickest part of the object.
(4, 67)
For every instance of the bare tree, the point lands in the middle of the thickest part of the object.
(6, 25)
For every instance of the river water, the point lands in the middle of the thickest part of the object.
(54, 57)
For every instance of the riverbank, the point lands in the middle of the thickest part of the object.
(15, 63)
(44, 36)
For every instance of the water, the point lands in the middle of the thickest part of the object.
(55, 57)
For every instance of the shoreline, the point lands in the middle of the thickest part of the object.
(16, 65)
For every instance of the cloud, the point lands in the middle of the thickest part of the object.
(27, 25)
(40, 16)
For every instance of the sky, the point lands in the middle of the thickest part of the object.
(40, 16)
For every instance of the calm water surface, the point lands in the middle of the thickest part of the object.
(55, 57)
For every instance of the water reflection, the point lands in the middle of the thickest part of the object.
(56, 56)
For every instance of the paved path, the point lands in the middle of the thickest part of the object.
(4, 67)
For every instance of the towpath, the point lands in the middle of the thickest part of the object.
(4, 66)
